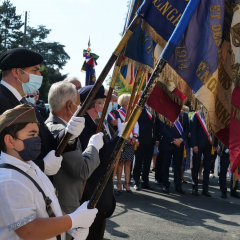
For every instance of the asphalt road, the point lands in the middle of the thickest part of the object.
(153, 215)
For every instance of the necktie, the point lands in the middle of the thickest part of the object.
(23, 100)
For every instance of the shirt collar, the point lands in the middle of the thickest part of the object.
(12, 90)
(24, 166)
(66, 123)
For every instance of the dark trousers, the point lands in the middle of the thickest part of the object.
(96, 231)
(143, 160)
(177, 155)
(206, 151)
(158, 167)
(224, 163)
(213, 159)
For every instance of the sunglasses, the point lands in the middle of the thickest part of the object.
(31, 96)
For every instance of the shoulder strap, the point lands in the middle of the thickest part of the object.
(45, 198)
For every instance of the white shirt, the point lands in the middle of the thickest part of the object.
(21, 202)
(136, 127)
(12, 90)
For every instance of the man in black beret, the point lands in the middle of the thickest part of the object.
(106, 203)
(21, 76)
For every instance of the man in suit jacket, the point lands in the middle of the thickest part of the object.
(201, 144)
(106, 203)
(148, 137)
(76, 166)
(172, 147)
(21, 76)
(224, 164)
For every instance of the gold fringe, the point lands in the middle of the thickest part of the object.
(125, 83)
(152, 33)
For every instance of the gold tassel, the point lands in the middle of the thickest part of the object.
(212, 152)
(184, 153)
(135, 147)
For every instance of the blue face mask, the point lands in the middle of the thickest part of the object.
(110, 108)
(33, 84)
(114, 105)
(31, 100)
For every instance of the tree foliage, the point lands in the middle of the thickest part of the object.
(11, 36)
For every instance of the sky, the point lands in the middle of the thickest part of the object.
(73, 21)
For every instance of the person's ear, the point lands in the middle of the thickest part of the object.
(16, 72)
(8, 139)
(69, 105)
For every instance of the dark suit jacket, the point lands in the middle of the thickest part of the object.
(148, 129)
(169, 133)
(40, 105)
(49, 141)
(198, 136)
(106, 202)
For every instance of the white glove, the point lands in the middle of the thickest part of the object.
(79, 233)
(83, 217)
(96, 141)
(121, 126)
(75, 126)
(52, 163)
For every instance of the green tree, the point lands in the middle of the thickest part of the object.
(44, 89)
(10, 24)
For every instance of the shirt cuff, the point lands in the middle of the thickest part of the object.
(227, 150)
(22, 222)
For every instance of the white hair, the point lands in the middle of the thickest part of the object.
(70, 79)
(59, 94)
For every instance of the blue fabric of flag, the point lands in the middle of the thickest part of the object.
(140, 46)
(162, 15)
(196, 56)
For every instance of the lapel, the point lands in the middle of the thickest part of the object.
(12, 99)
(90, 122)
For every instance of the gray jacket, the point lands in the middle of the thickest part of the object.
(76, 168)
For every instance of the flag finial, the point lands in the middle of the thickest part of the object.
(89, 45)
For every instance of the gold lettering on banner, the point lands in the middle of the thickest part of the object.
(236, 113)
(166, 9)
(144, 39)
(204, 75)
(181, 54)
(223, 77)
(222, 113)
(216, 29)
(216, 8)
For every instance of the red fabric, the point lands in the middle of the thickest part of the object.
(234, 138)
(131, 80)
(91, 62)
(223, 136)
(163, 104)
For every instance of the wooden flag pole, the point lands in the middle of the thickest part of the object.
(139, 90)
(129, 111)
(110, 91)
(88, 101)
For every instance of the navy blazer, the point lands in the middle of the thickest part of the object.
(106, 202)
(49, 141)
(198, 136)
(170, 132)
(148, 129)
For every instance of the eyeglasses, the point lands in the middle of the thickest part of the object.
(31, 96)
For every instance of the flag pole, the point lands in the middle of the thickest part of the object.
(110, 91)
(88, 101)
(139, 90)
(165, 57)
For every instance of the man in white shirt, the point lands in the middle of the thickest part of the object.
(24, 188)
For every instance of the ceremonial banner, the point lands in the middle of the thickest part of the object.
(234, 143)
(201, 59)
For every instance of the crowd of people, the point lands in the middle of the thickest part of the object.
(44, 196)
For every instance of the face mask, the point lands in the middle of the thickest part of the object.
(114, 105)
(100, 113)
(32, 148)
(31, 100)
(110, 108)
(33, 84)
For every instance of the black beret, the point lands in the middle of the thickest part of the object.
(19, 58)
(84, 91)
